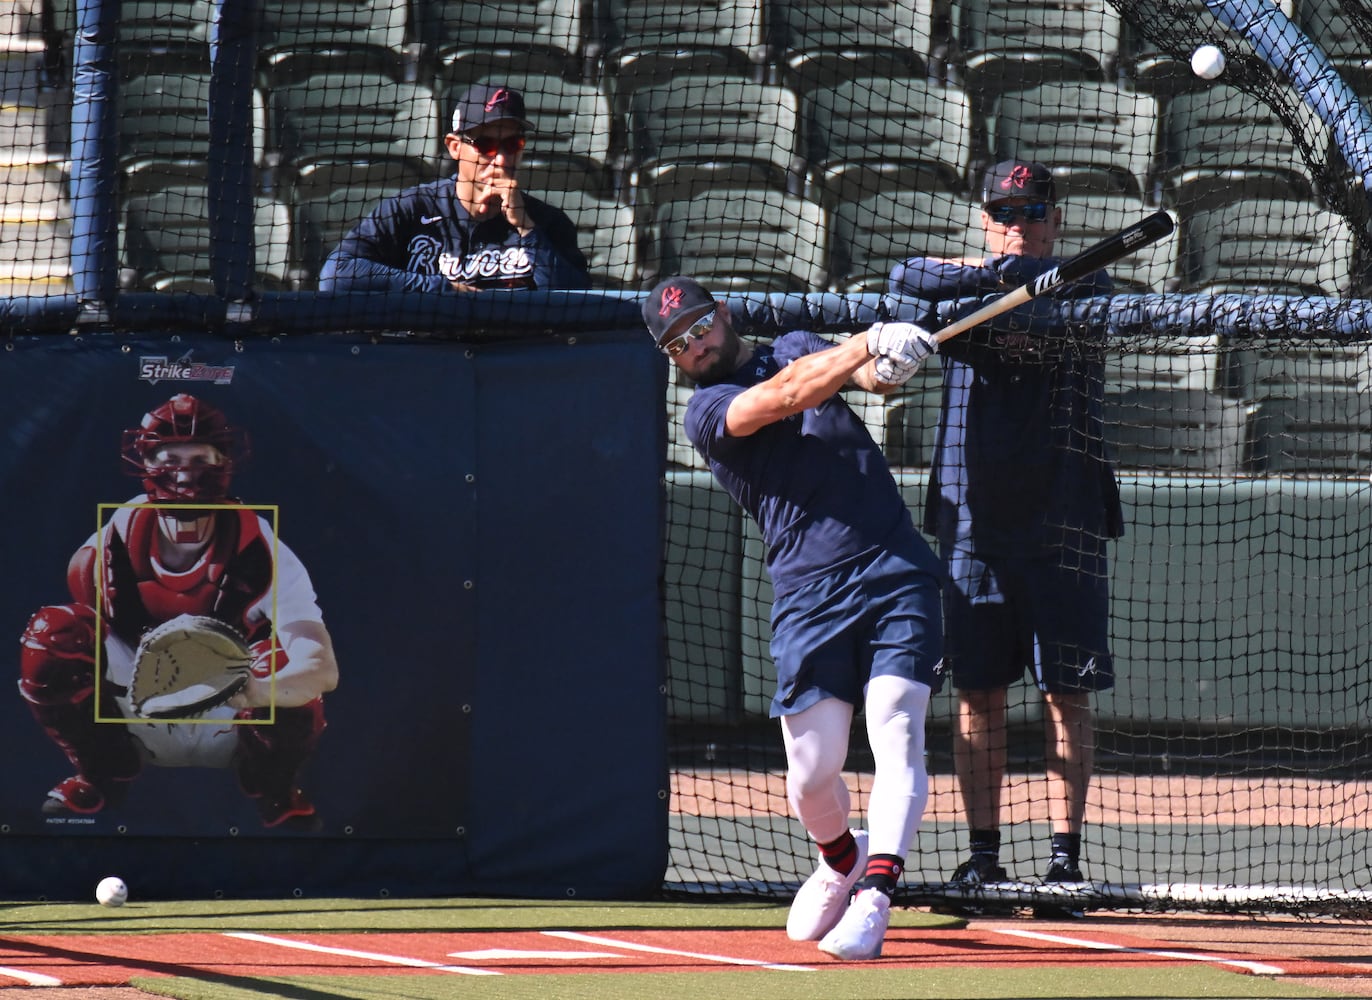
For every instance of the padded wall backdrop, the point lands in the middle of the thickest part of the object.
(497, 703)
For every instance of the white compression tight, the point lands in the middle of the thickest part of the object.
(817, 745)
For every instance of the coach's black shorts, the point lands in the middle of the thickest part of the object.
(1049, 616)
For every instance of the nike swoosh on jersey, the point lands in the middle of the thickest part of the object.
(429, 220)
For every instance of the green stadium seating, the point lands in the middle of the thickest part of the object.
(1285, 246)
(743, 239)
(1089, 218)
(704, 132)
(656, 42)
(1165, 429)
(871, 235)
(166, 242)
(469, 41)
(826, 44)
(1096, 137)
(1220, 144)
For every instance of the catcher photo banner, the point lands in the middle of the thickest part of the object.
(412, 588)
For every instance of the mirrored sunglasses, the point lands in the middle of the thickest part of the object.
(1035, 211)
(678, 344)
(488, 145)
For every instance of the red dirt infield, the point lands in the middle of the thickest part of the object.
(1328, 955)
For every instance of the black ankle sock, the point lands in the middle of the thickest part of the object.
(840, 854)
(1067, 845)
(883, 872)
(985, 842)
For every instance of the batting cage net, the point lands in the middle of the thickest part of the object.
(788, 155)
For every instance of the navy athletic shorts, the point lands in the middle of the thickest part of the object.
(1048, 616)
(831, 636)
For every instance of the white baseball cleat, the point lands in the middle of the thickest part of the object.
(858, 936)
(822, 899)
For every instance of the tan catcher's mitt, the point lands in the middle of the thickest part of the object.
(186, 666)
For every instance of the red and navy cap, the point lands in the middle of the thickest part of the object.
(674, 299)
(1018, 179)
(485, 103)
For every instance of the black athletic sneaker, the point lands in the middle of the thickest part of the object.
(976, 871)
(1060, 869)
(979, 869)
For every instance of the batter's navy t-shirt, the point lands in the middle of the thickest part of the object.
(816, 483)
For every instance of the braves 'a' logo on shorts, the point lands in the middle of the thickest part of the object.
(1089, 667)
(424, 251)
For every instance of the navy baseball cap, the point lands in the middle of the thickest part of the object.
(1018, 179)
(485, 103)
(671, 300)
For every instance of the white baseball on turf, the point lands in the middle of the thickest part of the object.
(1207, 62)
(112, 892)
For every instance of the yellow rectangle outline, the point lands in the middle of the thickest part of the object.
(100, 510)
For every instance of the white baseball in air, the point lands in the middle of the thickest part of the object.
(1207, 62)
(112, 892)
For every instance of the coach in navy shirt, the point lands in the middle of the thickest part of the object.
(475, 231)
(1022, 500)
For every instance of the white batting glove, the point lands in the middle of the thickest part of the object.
(900, 349)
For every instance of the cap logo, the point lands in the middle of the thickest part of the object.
(501, 96)
(671, 299)
(1019, 177)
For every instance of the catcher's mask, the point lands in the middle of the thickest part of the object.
(183, 419)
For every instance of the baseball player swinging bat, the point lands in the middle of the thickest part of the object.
(1093, 258)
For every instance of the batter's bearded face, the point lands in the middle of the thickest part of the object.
(713, 357)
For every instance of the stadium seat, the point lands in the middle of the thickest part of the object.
(299, 39)
(1322, 431)
(1011, 45)
(872, 235)
(1264, 245)
(653, 42)
(164, 123)
(167, 242)
(1176, 430)
(576, 143)
(702, 132)
(1163, 362)
(1095, 137)
(1328, 24)
(1265, 369)
(164, 36)
(742, 239)
(874, 134)
(1221, 144)
(471, 40)
(607, 235)
(1089, 218)
(825, 44)
(342, 117)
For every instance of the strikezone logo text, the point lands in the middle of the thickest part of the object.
(183, 369)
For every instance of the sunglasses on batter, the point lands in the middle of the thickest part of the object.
(489, 145)
(678, 344)
(1035, 211)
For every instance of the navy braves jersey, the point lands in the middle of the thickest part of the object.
(816, 483)
(1020, 465)
(422, 239)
